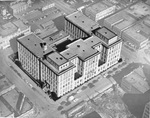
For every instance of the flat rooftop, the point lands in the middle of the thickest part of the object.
(135, 34)
(46, 33)
(4, 84)
(93, 114)
(92, 41)
(99, 7)
(32, 14)
(82, 21)
(116, 18)
(20, 25)
(4, 110)
(106, 33)
(79, 48)
(32, 42)
(57, 58)
(138, 82)
(123, 25)
(18, 5)
(56, 37)
(7, 29)
(139, 10)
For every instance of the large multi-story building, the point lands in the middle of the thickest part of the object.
(78, 25)
(69, 63)
(11, 30)
(110, 46)
(146, 113)
(19, 7)
(100, 10)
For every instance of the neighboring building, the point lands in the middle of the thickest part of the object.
(47, 5)
(135, 82)
(100, 10)
(19, 7)
(127, 17)
(131, 25)
(138, 35)
(11, 30)
(119, 22)
(93, 114)
(136, 103)
(45, 28)
(67, 64)
(3, 10)
(42, 22)
(146, 113)
(78, 25)
(21, 105)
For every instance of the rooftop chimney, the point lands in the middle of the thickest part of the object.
(44, 46)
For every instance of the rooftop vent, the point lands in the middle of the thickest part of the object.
(78, 46)
(43, 46)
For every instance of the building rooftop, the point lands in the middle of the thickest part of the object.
(139, 10)
(68, 54)
(138, 82)
(33, 43)
(135, 34)
(59, 35)
(4, 84)
(7, 29)
(147, 21)
(13, 100)
(82, 21)
(56, 38)
(33, 15)
(46, 33)
(123, 25)
(106, 33)
(58, 72)
(116, 18)
(137, 101)
(18, 5)
(79, 48)
(4, 110)
(20, 25)
(57, 58)
(99, 7)
(93, 114)
(92, 41)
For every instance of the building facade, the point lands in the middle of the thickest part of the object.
(47, 5)
(19, 7)
(110, 47)
(146, 113)
(100, 10)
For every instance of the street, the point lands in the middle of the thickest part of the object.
(35, 97)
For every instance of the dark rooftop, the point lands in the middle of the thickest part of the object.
(106, 33)
(33, 43)
(82, 21)
(57, 58)
(79, 48)
(136, 103)
(93, 114)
